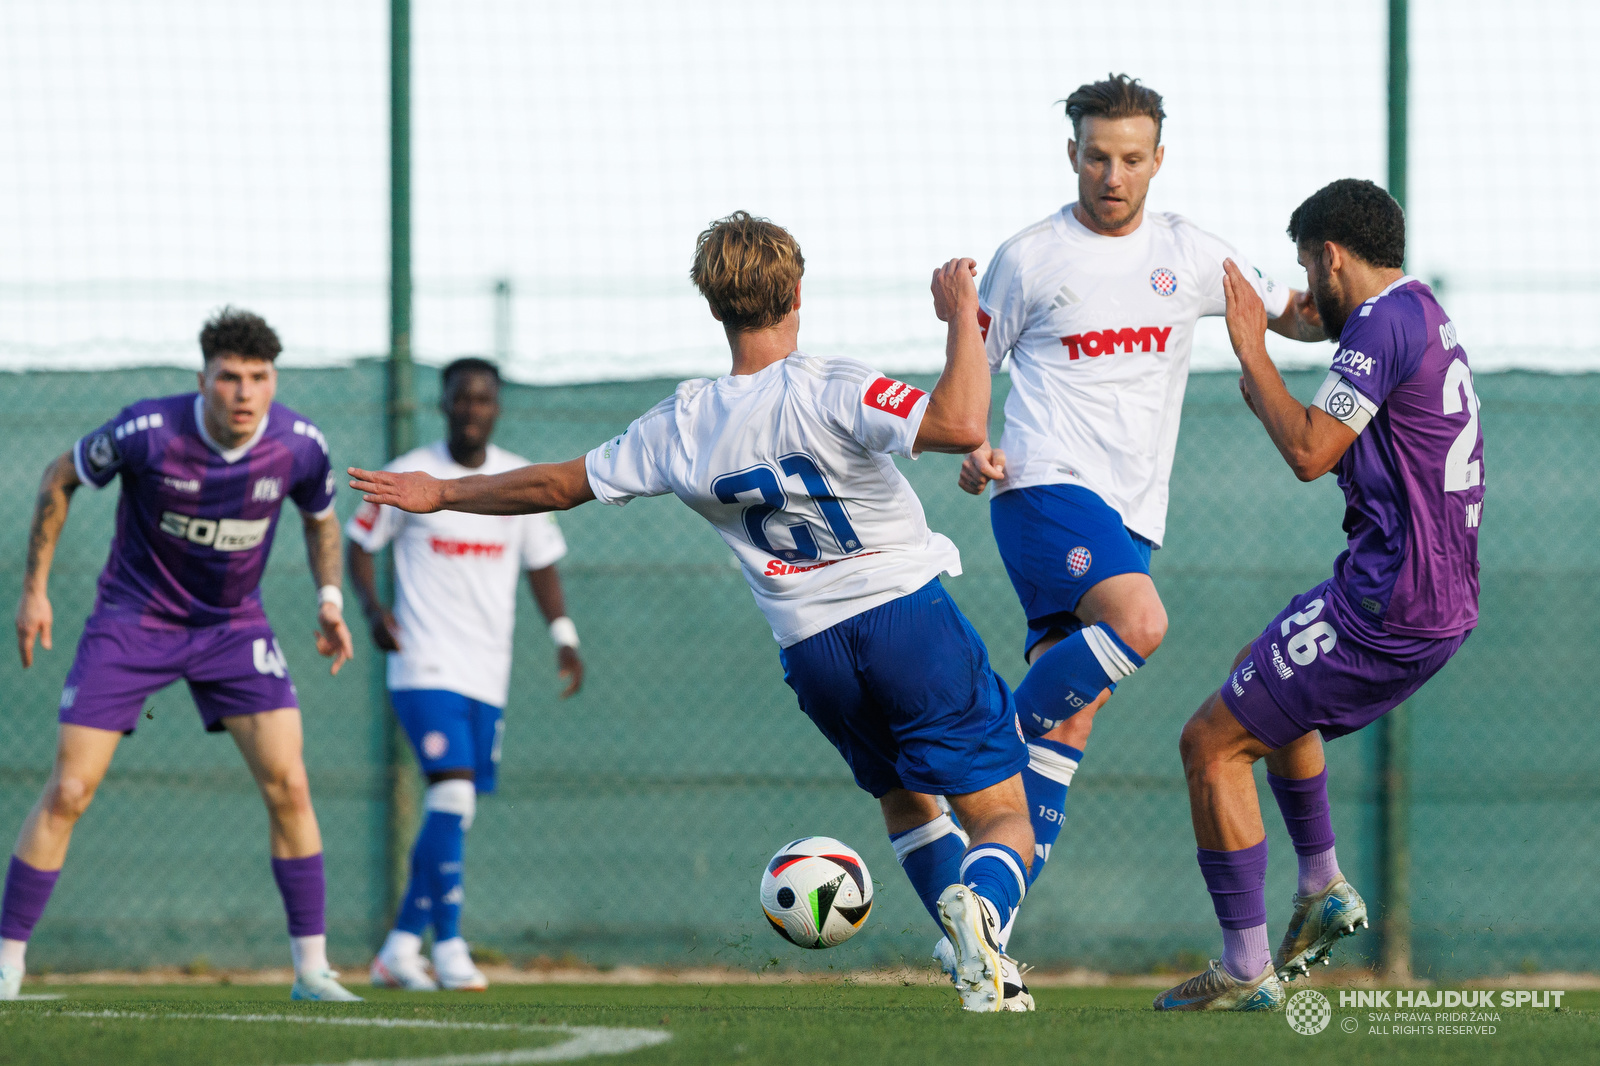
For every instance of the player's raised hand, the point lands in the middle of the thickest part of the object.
(981, 467)
(34, 619)
(1247, 316)
(412, 491)
(333, 637)
(953, 290)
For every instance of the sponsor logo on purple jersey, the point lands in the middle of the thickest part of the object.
(195, 524)
(1413, 480)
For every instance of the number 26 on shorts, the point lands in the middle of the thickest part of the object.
(1317, 636)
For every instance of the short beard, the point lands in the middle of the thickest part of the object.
(1089, 208)
(1331, 308)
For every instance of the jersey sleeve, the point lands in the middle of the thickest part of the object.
(1210, 252)
(373, 526)
(883, 415)
(121, 444)
(542, 542)
(314, 489)
(1002, 305)
(1378, 350)
(634, 464)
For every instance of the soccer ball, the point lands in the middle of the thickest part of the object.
(816, 892)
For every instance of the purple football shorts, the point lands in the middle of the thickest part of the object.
(1321, 665)
(233, 668)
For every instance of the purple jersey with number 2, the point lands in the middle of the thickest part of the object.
(195, 521)
(1413, 479)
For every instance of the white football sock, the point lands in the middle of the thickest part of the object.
(310, 953)
(12, 952)
(403, 945)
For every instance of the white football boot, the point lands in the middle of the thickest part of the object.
(452, 964)
(974, 932)
(1320, 919)
(395, 967)
(1217, 989)
(1018, 998)
(10, 982)
(322, 987)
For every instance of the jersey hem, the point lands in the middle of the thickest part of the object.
(866, 603)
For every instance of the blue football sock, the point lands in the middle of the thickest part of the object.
(1046, 778)
(416, 909)
(931, 855)
(996, 873)
(444, 871)
(1071, 675)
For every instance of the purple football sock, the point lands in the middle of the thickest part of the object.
(1237, 881)
(305, 890)
(1304, 803)
(27, 891)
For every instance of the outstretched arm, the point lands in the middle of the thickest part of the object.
(1310, 440)
(957, 418)
(34, 616)
(525, 490)
(322, 550)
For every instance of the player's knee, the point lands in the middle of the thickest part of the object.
(68, 797)
(1195, 745)
(1145, 629)
(288, 791)
(454, 796)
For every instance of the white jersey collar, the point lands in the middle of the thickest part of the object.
(1069, 226)
(229, 455)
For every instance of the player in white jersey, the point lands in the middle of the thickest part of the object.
(449, 645)
(788, 457)
(1096, 307)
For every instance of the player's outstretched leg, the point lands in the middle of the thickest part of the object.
(271, 743)
(1218, 754)
(993, 881)
(1326, 907)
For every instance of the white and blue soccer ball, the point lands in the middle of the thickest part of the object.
(816, 892)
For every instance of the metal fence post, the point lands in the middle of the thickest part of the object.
(401, 410)
(1394, 793)
(502, 321)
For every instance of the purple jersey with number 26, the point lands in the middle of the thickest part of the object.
(1413, 479)
(195, 522)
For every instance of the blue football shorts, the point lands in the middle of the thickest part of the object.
(906, 693)
(449, 731)
(1058, 542)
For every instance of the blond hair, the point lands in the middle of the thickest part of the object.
(747, 269)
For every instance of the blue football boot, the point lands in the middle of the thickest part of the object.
(1319, 921)
(1217, 989)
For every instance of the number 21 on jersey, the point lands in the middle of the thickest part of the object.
(774, 503)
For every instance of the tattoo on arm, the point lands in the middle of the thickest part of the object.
(322, 550)
(49, 515)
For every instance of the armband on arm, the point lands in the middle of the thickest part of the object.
(1343, 401)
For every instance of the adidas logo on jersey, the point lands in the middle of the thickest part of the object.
(1106, 341)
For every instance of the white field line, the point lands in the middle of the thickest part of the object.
(583, 1040)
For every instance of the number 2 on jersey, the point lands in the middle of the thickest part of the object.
(774, 501)
(1460, 474)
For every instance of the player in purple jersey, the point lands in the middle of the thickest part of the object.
(1397, 417)
(204, 476)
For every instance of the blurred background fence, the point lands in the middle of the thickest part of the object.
(166, 158)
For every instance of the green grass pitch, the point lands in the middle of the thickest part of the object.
(769, 1024)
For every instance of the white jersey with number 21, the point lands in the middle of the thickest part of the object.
(792, 466)
(1099, 331)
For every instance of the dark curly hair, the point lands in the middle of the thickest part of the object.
(1357, 214)
(468, 364)
(1118, 96)
(239, 332)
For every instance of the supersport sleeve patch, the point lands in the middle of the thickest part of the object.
(892, 397)
(1344, 401)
